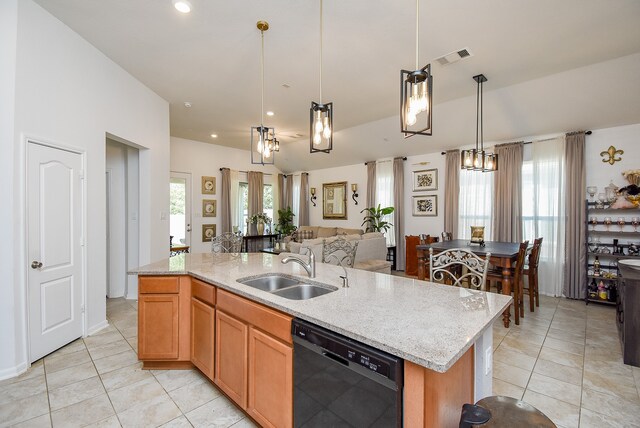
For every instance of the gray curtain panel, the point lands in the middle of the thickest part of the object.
(451, 191)
(507, 201)
(575, 278)
(256, 182)
(304, 200)
(289, 191)
(282, 203)
(371, 184)
(398, 202)
(225, 201)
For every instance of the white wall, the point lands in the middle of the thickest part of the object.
(69, 93)
(133, 225)
(204, 159)
(600, 173)
(428, 225)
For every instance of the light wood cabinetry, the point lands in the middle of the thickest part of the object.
(231, 357)
(202, 334)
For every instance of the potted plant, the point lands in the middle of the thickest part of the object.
(260, 220)
(285, 222)
(374, 218)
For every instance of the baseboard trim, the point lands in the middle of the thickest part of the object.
(96, 328)
(11, 372)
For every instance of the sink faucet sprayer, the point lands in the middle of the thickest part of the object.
(310, 267)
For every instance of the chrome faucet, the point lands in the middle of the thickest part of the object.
(310, 267)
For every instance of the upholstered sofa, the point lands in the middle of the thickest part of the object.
(371, 253)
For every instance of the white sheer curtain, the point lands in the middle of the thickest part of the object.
(384, 195)
(544, 211)
(296, 200)
(475, 203)
(236, 210)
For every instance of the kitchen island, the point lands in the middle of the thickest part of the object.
(193, 310)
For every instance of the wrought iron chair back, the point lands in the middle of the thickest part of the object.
(226, 243)
(458, 265)
(343, 252)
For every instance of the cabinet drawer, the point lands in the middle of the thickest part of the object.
(203, 291)
(159, 284)
(275, 323)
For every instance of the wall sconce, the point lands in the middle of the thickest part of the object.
(354, 189)
(313, 196)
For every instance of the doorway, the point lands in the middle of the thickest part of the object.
(180, 209)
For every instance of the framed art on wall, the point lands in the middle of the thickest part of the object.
(209, 207)
(334, 200)
(424, 180)
(425, 205)
(208, 185)
(208, 232)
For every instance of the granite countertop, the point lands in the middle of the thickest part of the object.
(429, 324)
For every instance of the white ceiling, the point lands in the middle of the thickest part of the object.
(211, 58)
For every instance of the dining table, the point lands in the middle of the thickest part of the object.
(503, 255)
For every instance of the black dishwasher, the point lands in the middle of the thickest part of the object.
(339, 382)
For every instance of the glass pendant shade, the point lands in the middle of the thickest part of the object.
(262, 146)
(321, 127)
(416, 90)
(478, 159)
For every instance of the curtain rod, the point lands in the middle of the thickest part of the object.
(404, 158)
(246, 172)
(530, 142)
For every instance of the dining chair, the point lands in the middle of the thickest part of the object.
(517, 281)
(226, 243)
(447, 236)
(531, 272)
(456, 265)
(341, 251)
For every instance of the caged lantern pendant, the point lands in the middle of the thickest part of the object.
(320, 116)
(478, 159)
(263, 141)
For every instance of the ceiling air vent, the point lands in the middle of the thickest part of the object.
(454, 56)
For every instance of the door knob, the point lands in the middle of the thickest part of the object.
(36, 264)
(188, 227)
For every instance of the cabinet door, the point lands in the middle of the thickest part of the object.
(270, 380)
(231, 357)
(158, 326)
(202, 331)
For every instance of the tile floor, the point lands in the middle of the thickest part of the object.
(564, 359)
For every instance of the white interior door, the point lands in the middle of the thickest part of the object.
(180, 210)
(55, 283)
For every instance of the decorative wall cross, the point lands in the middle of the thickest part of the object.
(610, 155)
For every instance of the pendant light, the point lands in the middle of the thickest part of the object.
(477, 159)
(262, 137)
(416, 91)
(320, 116)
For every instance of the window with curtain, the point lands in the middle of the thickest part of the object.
(384, 195)
(243, 202)
(475, 203)
(296, 200)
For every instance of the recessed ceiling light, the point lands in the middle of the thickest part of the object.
(187, 104)
(270, 113)
(214, 135)
(182, 6)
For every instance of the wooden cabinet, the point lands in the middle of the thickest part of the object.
(231, 357)
(202, 334)
(270, 380)
(163, 320)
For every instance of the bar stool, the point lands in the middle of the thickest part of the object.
(503, 412)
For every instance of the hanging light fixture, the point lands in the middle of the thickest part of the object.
(416, 91)
(321, 116)
(262, 137)
(477, 159)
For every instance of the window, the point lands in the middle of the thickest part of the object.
(296, 200)
(384, 195)
(243, 201)
(475, 203)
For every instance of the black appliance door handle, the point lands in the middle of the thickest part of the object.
(335, 358)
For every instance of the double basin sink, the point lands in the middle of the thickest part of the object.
(287, 287)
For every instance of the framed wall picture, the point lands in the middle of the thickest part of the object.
(426, 206)
(334, 200)
(209, 207)
(208, 185)
(208, 232)
(425, 180)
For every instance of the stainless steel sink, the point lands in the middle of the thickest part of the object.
(289, 288)
(271, 283)
(302, 292)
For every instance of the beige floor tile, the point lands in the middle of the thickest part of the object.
(507, 389)
(609, 405)
(572, 375)
(535, 339)
(75, 346)
(180, 422)
(218, 413)
(108, 329)
(109, 349)
(615, 368)
(84, 413)
(19, 390)
(151, 413)
(36, 369)
(511, 374)
(174, 379)
(110, 422)
(514, 358)
(612, 384)
(133, 342)
(43, 421)
(24, 409)
(75, 393)
(245, 423)
(70, 375)
(567, 336)
(117, 361)
(130, 332)
(559, 412)
(561, 357)
(555, 388)
(125, 376)
(102, 339)
(56, 363)
(591, 419)
(194, 395)
(563, 345)
(135, 394)
(522, 346)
